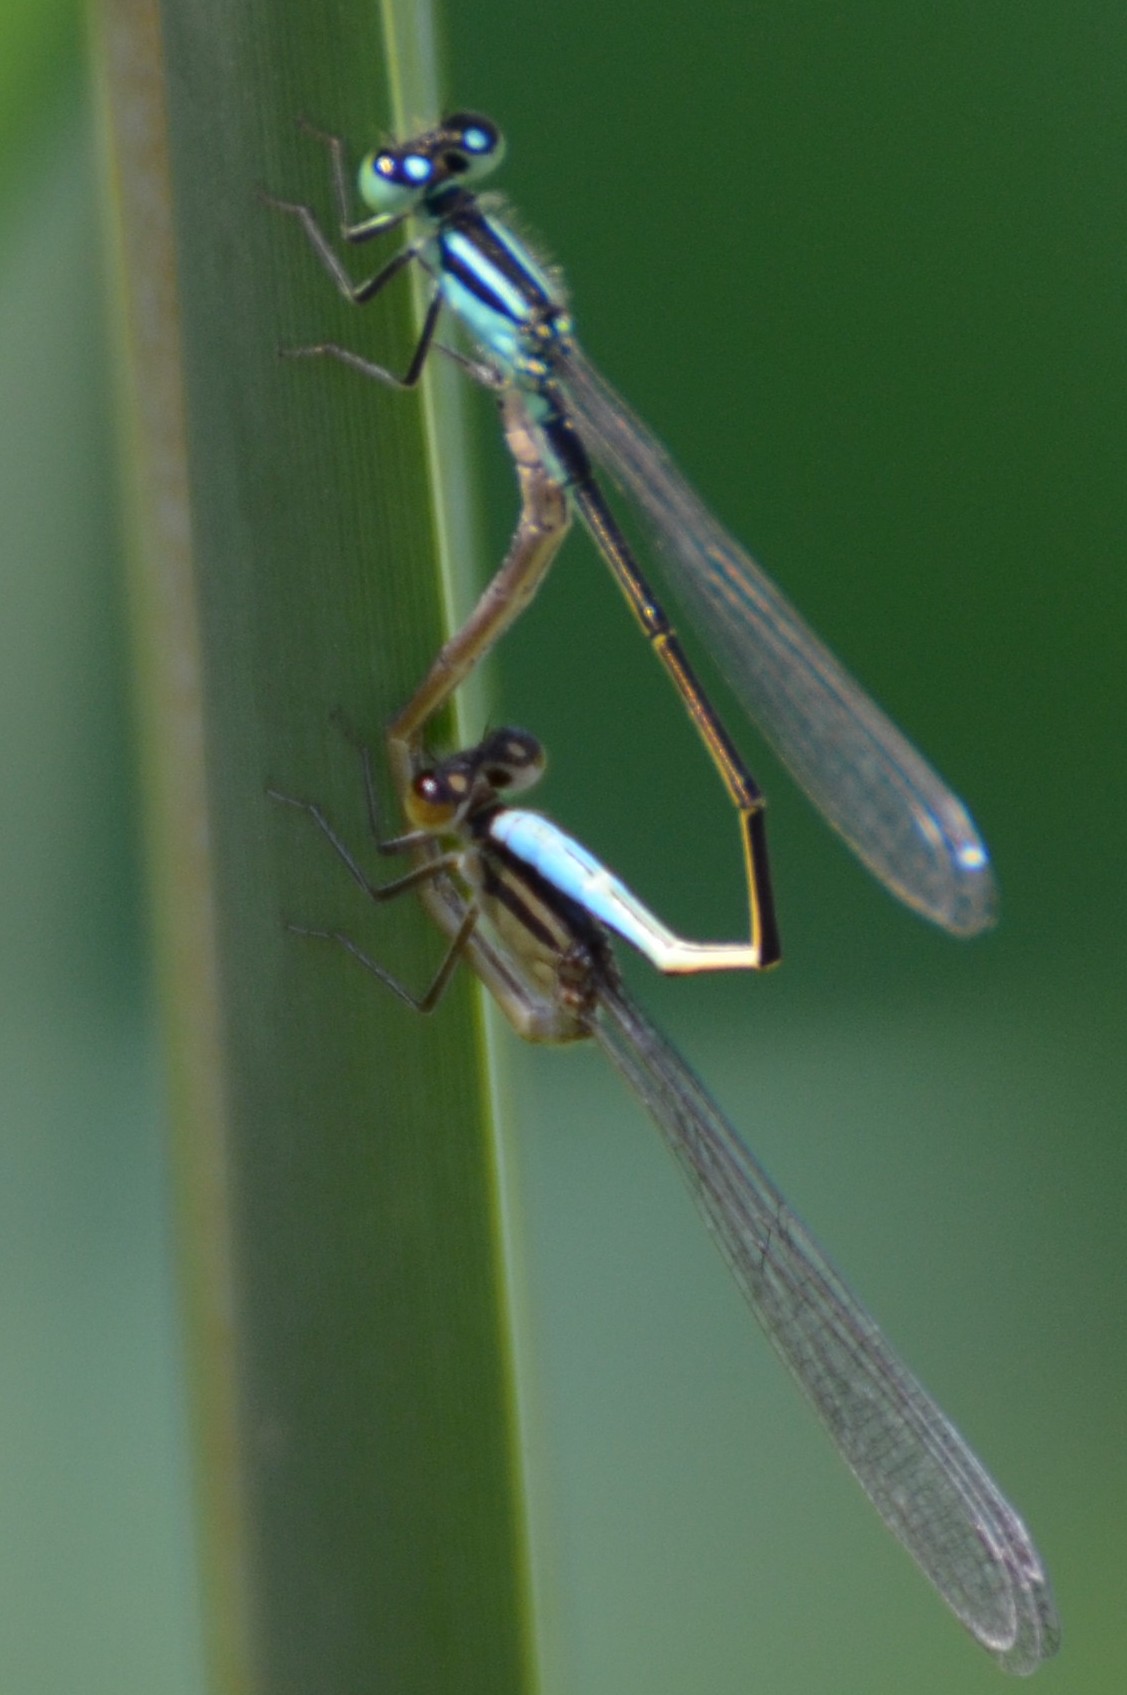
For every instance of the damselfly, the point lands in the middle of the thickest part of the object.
(867, 779)
(549, 908)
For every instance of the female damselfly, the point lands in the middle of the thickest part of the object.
(550, 908)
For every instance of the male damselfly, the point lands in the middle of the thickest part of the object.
(870, 783)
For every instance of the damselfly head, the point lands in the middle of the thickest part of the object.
(442, 797)
(464, 146)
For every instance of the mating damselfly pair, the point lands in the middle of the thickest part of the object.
(533, 911)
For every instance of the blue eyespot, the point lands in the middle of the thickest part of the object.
(474, 142)
(391, 182)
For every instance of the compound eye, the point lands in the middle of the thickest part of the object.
(432, 803)
(390, 181)
(478, 141)
(514, 760)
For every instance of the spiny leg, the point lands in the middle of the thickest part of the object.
(368, 367)
(336, 146)
(425, 1002)
(377, 892)
(358, 293)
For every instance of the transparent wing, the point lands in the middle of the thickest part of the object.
(894, 811)
(925, 1482)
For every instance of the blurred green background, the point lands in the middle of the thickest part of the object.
(864, 271)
